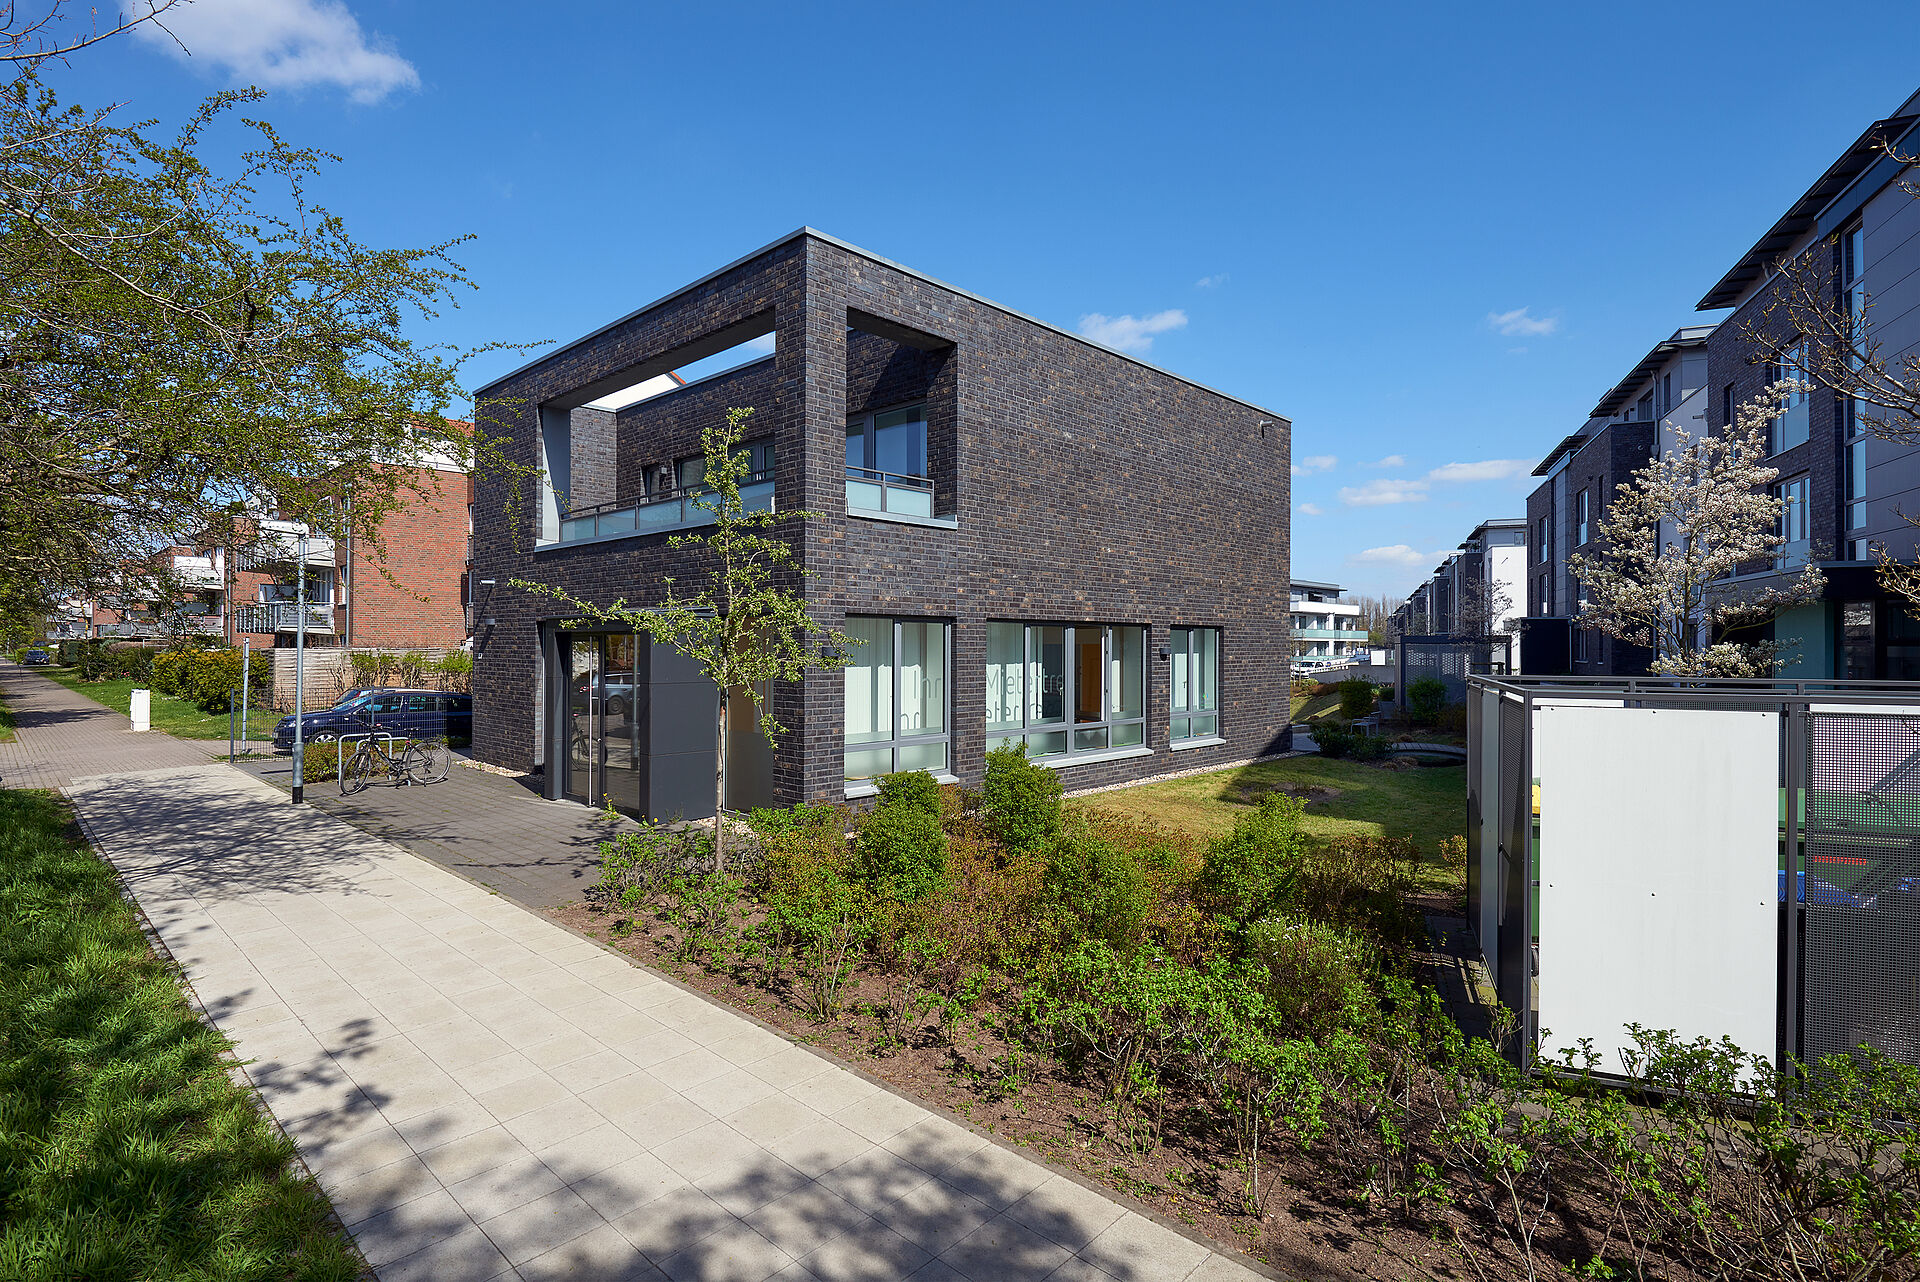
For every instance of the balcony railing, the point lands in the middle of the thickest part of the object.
(275, 549)
(673, 510)
(281, 616)
(1331, 634)
(196, 571)
(871, 490)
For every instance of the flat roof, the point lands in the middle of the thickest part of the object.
(904, 270)
(1312, 586)
(1804, 214)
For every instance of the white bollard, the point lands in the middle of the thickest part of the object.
(141, 710)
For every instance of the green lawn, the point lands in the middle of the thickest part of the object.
(1428, 803)
(177, 717)
(1312, 707)
(6, 719)
(126, 1152)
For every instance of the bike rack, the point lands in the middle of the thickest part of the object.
(340, 747)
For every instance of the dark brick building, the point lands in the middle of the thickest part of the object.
(1039, 539)
(1846, 490)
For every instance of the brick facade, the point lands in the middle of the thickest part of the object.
(1084, 487)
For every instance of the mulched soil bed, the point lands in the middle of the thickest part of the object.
(1308, 1231)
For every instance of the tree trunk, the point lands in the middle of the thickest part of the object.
(720, 791)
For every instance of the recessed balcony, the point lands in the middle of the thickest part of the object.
(676, 509)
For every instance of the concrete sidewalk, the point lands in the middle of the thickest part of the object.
(59, 734)
(485, 1095)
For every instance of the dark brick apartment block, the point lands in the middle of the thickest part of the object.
(1038, 537)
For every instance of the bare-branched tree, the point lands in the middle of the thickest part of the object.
(1674, 543)
(1814, 323)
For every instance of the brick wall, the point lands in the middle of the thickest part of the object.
(423, 547)
(1086, 489)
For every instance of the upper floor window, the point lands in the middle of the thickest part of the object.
(896, 697)
(1793, 426)
(1645, 409)
(887, 465)
(1726, 405)
(1196, 683)
(690, 474)
(1666, 393)
(1541, 541)
(1793, 521)
(1066, 690)
(1580, 518)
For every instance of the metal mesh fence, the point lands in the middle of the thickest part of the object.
(1476, 735)
(1450, 659)
(1860, 885)
(1514, 976)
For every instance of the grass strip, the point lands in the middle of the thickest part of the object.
(180, 718)
(126, 1151)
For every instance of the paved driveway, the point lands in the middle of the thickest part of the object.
(485, 1095)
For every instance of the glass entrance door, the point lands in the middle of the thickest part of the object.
(584, 724)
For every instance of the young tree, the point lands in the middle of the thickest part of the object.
(1483, 610)
(183, 339)
(1672, 541)
(747, 625)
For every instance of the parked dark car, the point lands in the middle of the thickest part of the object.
(420, 714)
(358, 693)
(37, 658)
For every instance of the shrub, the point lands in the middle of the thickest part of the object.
(1363, 882)
(1356, 699)
(1334, 741)
(818, 911)
(1314, 975)
(900, 853)
(455, 671)
(1019, 800)
(770, 823)
(1253, 871)
(637, 867)
(912, 789)
(1101, 884)
(319, 763)
(1425, 700)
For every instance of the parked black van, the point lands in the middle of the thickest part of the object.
(418, 714)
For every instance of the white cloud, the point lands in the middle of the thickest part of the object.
(1309, 509)
(1130, 333)
(1314, 463)
(284, 44)
(1521, 323)
(1493, 469)
(1395, 554)
(1391, 460)
(1209, 282)
(1382, 492)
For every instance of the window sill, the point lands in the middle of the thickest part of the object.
(855, 791)
(901, 518)
(1089, 758)
(1182, 745)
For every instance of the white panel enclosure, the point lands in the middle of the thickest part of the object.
(1658, 868)
(1492, 814)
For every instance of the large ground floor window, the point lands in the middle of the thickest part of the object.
(1066, 690)
(1196, 683)
(896, 697)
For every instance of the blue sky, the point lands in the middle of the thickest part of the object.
(1430, 235)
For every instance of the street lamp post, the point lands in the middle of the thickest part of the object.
(300, 676)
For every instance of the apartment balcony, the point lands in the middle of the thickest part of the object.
(1329, 634)
(196, 571)
(674, 510)
(281, 616)
(279, 547)
(871, 490)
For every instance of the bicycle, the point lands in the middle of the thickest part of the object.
(404, 761)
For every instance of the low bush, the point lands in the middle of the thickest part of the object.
(1254, 871)
(636, 868)
(1426, 698)
(915, 789)
(210, 677)
(1356, 698)
(319, 763)
(108, 660)
(1020, 800)
(900, 852)
(1338, 741)
(1102, 887)
(454, 671)
(1315, 975)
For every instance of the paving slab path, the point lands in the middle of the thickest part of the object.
(486, 1095)
(58, 734)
